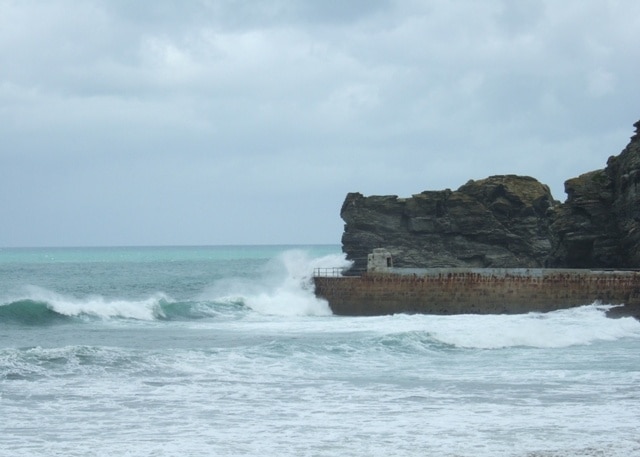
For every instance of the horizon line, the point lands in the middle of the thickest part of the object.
(166, 245)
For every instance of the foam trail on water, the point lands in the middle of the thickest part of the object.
(286, 287)
(562, 328)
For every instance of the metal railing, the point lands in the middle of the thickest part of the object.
(337, 272)
(332, 272)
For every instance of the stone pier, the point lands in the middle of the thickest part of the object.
(475, 291)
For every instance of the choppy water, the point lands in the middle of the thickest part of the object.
(224, 351)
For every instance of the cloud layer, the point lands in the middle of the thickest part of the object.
(217, 122)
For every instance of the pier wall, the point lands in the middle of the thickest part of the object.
(476, 292)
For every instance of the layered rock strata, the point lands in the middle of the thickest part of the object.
(506, 221)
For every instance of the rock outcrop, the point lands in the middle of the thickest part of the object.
(506, 221)
(500, 221)
(624, 171)
(588, 235)
(598, 225)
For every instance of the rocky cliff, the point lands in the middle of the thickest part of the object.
(506, 221)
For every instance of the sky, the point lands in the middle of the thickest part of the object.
(197, 122)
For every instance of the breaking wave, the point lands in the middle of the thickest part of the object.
(578, 326)
(33, 312)
(284, 288)
(42, 307)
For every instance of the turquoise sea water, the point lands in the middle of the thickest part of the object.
(225, 351)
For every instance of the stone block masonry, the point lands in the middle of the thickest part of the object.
(476, 291)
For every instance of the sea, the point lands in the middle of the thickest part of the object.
(225, 351)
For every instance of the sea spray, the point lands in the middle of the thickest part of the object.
(282, 287)
(285, 287)
(216, 377)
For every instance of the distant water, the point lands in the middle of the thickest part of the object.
(224, 351)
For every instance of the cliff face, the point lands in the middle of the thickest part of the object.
(588, 234)
(506, 221)
(625, 176)
(500, 221)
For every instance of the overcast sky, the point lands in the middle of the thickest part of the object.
(246, 122)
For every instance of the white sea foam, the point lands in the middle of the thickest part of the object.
(563, 328)
(250, 400)
(97, 306)
(561, 384)
(285, 288)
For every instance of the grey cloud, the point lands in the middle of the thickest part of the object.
(230, 105)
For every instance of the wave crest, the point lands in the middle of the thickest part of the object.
(41, 306)
(29, 312)
(285, 287)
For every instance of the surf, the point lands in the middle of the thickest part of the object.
(284, 287)
(29, 312)
(584, 325)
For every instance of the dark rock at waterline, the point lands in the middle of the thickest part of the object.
(624, 311)
(506, 221)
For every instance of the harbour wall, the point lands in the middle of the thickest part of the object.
(475, 291)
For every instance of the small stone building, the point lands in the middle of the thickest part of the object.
(379, 261)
